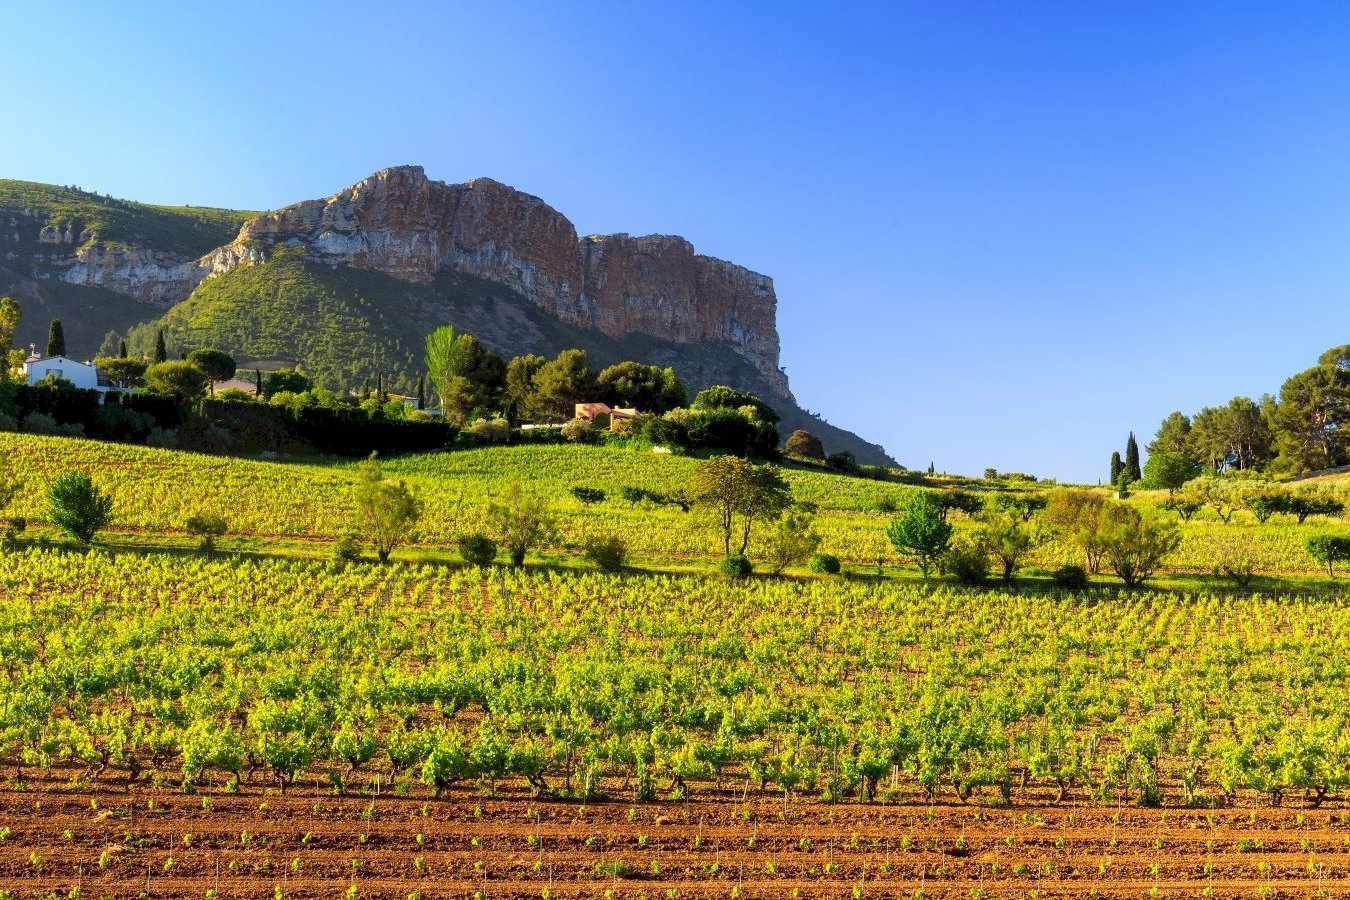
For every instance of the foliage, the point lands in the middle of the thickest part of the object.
(804, 445)
(217, 364)
(735, 566)
(520, 521)
(1009, 540)
(1184, 508)
(1117, 467)
(1169, 471)
(477, 549)
(608, 552)
(560, 384)
(122, 370)
(968, 502)
(790, 540)
(1132, 460)
(78, 507)
(921, 532)
(1172, 435)
(1021, 506)
(1329, 550)
(385, 509)
(56, 339)
(1222, 495)
(1071, 578)
(635, 385)
(288, 381)
(730, 488)
(207, 528)
(1132, 546)
(823, 563)
(966, 559)
(178, 379)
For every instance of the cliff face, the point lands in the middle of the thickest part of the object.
(401, 223)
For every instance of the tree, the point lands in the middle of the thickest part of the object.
(177, 378)
(11, 483)
(804, 445)
(385, 509)
(217, 364)
(519, 390)
(56, 339)
(1008, 539)
(1116, 467)
(1133, 546)
(206, 528)
(761, 417)
(1076, 513)
(10, 314)
(122, 349)
(421, 392)
(257, 382)
(562, 383)
(1132, 459)
(1314, 407)
(520, 522)
(736, 492)
(1219, 494)
(161, 353)
(648, 388)
(1169, 470)
(1172, 435)
(792, 539)
(441, 360)
(123, 370)
(921, 532)
(1328, 551)
(285, 381)
(77, 506)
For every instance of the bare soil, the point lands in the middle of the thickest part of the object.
(155, 842)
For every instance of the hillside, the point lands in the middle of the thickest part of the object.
(350, 285)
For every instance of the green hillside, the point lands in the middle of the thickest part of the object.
(188, 231)
(347, 326)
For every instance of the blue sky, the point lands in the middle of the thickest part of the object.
(1002, 234)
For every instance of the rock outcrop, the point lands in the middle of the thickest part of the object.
(150, 275)
(401, 223)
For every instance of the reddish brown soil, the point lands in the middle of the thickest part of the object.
(311, 844)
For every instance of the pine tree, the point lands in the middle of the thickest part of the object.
(1132, 460)
(122, 349)
(421, 392)
(1116, 467)
(56, 339)
(161, 352)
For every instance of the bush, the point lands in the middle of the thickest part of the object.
(824, 563)
(608, 553)
(489, 431)
(578, 431)
(163, 438)
(1071, 578)
(77, 506)
(347, 549)
(207, 529)
(735, 566)
(804, 445)
(843, 461)
(966, 561)
(478, 549)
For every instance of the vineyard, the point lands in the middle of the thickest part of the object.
(811, 710)
(277, 723)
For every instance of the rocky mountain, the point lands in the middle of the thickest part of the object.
(348, 285)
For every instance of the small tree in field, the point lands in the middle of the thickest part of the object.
(791, 540)
(206, 528)
(385, 509)
(520, 522)
(1133, 546)
(738, 494)
(1328, 551)
(1170, 471)
(921, 532)
(77, 506)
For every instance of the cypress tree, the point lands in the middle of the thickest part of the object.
(1132, 460)
(1116, 467)
(56, 339)
(161, 352)
(122, 349)
(379, 389)
(257, 382)
(421, 392)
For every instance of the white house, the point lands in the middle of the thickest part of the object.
(81, 374)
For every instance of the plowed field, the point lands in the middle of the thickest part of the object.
(161, 843)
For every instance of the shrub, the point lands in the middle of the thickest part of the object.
(478, 549)
(608, 553)
(790, 540)
(844, 461)
(77, 506)
(347, 549)
(735, 566)
(163, 438)
(578, 431)
(804, 445)
(824, 563)
(966, 561)
(489, 431)
(206, 529)
(1071, 578)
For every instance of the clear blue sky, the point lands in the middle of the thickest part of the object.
(1002, 234)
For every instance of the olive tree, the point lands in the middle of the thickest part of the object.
(737, 494)
(520, 521)
(1133, 546)
(385, 508)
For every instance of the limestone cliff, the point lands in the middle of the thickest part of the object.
(403, 224)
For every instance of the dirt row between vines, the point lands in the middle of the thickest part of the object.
(308, 844)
